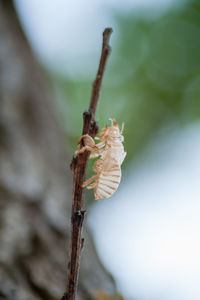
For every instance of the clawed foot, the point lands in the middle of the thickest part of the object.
(88, 142)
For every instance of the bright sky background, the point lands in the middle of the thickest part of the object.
(149, 233)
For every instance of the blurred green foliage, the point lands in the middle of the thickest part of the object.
(152, 78)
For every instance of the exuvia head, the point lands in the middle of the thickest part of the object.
(112, 132)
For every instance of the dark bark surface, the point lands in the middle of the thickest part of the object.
(35, 181)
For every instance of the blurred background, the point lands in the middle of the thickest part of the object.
(147, 234)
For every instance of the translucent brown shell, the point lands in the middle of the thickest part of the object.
(108, 180)
(108, 167)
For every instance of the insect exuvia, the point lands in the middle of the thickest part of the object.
(108, 166)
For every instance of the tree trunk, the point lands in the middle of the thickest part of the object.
(35, 181)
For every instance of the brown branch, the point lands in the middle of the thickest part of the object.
(97, 83)
(79, 166)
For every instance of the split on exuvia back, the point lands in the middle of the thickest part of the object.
(111, 155)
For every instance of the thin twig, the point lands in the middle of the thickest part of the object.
(79, 166)
(97, 83)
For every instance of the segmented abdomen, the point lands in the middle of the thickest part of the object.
(108, 182)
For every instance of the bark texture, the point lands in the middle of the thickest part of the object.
(35, 181)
